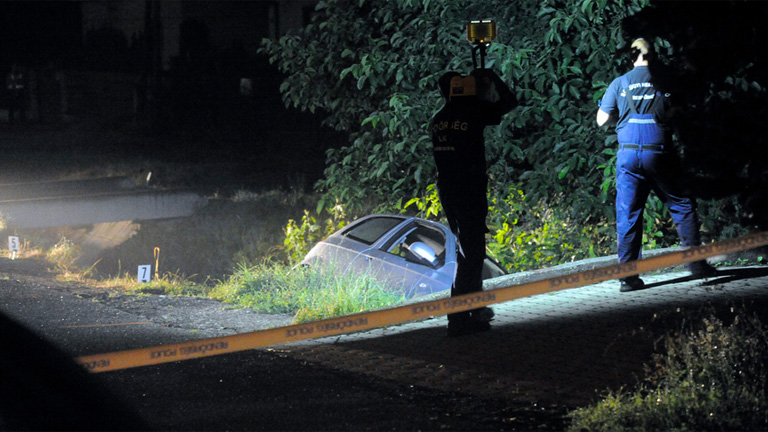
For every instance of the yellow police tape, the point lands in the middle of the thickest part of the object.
(411, 312)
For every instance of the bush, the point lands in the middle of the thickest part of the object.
(558, 57)
(299, 239)
(525, 236)
(382, 90)
(713, 377)
(528, 236)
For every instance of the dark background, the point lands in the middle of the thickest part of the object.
(175, 89)
(117, 80)
(34, 32)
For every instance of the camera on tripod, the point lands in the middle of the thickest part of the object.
(480, 33)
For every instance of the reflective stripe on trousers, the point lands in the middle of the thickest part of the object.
(641, 129)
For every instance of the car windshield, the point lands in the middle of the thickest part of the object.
(371, 229)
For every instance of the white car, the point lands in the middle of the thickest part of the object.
(412, 255)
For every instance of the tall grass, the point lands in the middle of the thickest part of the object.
(713, 377)
(309, 293)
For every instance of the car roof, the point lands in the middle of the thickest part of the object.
(402, 217)
(403, 221)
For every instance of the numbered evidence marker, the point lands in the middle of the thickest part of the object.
(144, 273)
(13, 246)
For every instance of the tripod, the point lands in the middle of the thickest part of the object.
(482, 47)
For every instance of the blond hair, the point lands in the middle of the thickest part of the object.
(642, 46)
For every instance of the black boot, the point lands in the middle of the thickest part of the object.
(632, 283)
(463, 323)
(701, 270)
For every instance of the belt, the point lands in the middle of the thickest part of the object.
(650, 147)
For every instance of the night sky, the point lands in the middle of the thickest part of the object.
(36, 32)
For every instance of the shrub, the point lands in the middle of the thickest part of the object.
(527, 236)
(299, 238)
(558, 57)
(713, 377)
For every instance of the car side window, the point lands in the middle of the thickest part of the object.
(372, 229)
(418, 233)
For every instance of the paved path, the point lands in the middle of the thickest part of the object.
(554, 351)
(562, 348)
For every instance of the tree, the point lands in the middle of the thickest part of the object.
(371, 67)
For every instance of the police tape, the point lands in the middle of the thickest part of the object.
(401, 314)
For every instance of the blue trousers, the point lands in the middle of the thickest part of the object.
(637, 173)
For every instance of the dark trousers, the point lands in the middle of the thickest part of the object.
(466, 208)
(637, 173)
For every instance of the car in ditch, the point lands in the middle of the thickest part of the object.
(409, 254)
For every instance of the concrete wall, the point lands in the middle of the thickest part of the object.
(129, 206)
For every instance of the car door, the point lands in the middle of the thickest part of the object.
(409, 259)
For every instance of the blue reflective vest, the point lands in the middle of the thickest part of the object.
(641, 129)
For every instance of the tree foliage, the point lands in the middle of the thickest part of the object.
(371, 68)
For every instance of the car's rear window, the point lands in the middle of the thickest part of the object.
(372, 229)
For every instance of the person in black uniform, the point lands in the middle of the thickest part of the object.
(471, 104)
(645, 161)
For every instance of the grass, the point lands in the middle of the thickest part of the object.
(308, 293)
(713, 376)
(202, 248)
(167, 284)
(270, 287)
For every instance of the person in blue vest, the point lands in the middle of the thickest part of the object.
(646, 161)
(471, 103)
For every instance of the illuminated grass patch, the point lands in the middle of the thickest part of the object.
(308, 293)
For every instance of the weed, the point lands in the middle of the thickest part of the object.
(525, 236)
(428, 204)
(712, 377)
(64, 255)
(168, 284)
(299, 238)
(309, 293)
(246, 228)
(171, 284)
